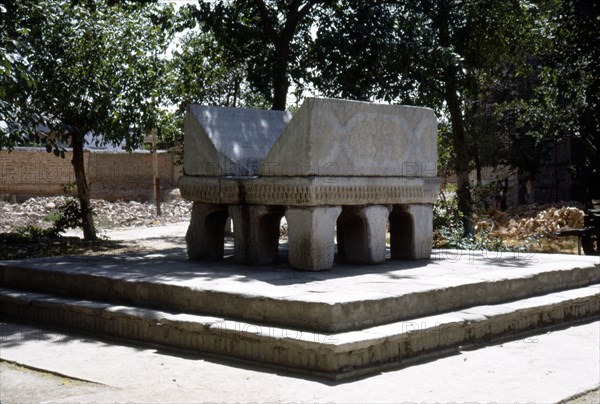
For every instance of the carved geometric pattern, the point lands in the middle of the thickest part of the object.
(317, 191)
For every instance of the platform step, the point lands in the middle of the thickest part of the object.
(334, 355)
(345, 299)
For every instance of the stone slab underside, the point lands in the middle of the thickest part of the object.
(474, 298)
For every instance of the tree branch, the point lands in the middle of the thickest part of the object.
(294, 16)
(267, 25)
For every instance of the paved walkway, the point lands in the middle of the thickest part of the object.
(540, 369)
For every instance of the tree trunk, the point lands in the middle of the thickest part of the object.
(461, 150)
(281, 84)
(459, 136)
(83, 189)
(477, 163)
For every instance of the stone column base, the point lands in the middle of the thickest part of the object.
(311, 236)
(206, 234)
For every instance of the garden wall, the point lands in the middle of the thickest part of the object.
(112, 175)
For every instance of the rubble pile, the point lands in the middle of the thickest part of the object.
(108, 215)
(517, 223)
(521, 222)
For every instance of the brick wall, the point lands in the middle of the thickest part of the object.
(113, 175)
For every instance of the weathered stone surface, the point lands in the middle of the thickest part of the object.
(311, 237)
(310, 191)
(328, 137)
(88, 297)
(205, 235)
(256, 233)
(332, 154)
(223, 141)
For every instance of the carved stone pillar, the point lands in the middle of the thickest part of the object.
(311, 233)
(205, 235)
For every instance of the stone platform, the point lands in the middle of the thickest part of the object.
(347, 322)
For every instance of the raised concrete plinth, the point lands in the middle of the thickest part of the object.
(346, 298)
(334, 165)
(342, 323)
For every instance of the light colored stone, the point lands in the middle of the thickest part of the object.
(223, 141)
(339, 355)
(311, 234)
(309, 191)
(346, 298)
(332, 153)
(329, 137)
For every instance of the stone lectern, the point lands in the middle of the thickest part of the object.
(334, 168)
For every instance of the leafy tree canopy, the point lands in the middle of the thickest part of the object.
(270, 37)
(92, 67)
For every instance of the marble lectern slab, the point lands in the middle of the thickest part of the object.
(334, 166)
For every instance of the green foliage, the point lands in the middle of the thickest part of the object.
(524, 109)
(268, 39)
(399, 51)
(97, 68)
(202, 73)
(448, 231)
(66, 216)
(26, 234)
(69, 188)
(357, 53)
(447, 221)
(420, 52)
(446, 154)
(484, 197)
(91, 67)
(16, 118)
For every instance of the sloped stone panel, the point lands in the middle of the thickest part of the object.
(222, 141)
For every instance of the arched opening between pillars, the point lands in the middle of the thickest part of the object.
(351, 229)
(402, 230)
(361, 234)
(256, 231)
